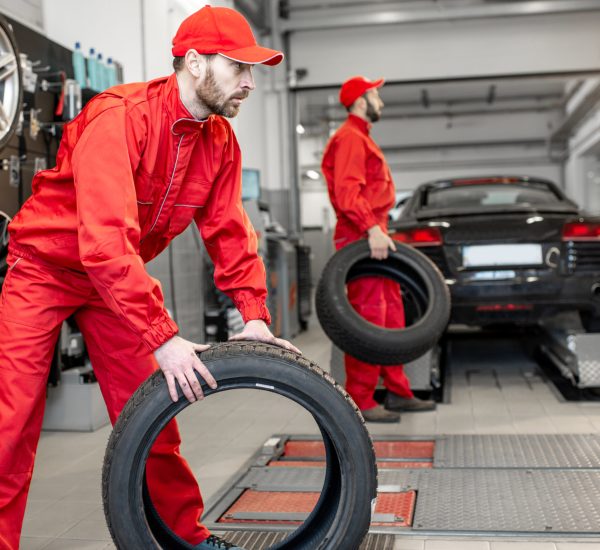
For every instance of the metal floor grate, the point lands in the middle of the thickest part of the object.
(262, 540)
(514, 501)
(518, 451)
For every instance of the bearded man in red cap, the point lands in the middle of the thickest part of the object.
(362, 192)
(135, 168)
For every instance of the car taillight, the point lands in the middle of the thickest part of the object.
(581, 231)
(419, 236)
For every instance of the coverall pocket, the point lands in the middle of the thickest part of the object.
(144, 211)
(193, 196)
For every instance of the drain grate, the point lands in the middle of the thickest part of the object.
(262, 540)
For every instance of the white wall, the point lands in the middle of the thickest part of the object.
(550, 43)
(112, 27)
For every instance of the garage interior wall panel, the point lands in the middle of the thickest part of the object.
(27, 11)
(477, 129)
(112, 27)
(462, 48)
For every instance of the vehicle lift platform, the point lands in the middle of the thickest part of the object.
(507, 485)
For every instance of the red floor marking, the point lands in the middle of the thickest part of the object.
(383, 449)
(400, 504)
(320, 464)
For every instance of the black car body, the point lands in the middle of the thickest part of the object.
(512, 249)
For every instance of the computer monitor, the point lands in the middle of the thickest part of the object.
(250, 184)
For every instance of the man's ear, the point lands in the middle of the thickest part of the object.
(361, 102)
(195, 63)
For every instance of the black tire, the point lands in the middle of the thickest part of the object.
(7, 133)
(4, 221)
(426, 301)
(342, 515)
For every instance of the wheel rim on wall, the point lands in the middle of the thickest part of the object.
(10, 84)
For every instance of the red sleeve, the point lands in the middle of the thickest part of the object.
(104, 160)
(231, 241)
(350, 166)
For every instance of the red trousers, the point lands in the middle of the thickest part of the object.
(378, 300)
(35, 300)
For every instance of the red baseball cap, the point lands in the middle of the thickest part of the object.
(356, 86)
(223, 31)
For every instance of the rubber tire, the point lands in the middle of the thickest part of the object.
(7, 28)
(365, 341)
(4, 220)
(342, 515)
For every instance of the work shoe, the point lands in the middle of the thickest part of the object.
(216, 543)
(396, 403)
(379, 414)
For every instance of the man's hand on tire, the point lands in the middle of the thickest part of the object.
(379, 243)
(258, 330)
(178, 360)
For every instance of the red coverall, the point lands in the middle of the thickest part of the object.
(362, 192)
(133, 170)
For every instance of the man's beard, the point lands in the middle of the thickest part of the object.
(210, 94)
(373, 115)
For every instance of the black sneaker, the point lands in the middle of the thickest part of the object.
(216, 543)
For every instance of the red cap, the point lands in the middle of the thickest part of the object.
(223, 31)
(356, 86)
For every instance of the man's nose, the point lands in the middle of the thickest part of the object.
(248, 80)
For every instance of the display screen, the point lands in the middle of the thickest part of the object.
(250, 184)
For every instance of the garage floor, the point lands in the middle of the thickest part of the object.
(494, 390)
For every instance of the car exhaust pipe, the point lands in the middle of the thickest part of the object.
(595, 288)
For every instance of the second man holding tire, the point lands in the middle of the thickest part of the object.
(362, 192)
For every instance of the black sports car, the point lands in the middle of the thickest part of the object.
(512, 249)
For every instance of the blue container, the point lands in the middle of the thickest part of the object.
(91, 70)
(79, 65)
(111, 73)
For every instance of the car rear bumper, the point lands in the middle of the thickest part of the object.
(523, 300)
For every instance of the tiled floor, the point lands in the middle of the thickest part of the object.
(491, 393)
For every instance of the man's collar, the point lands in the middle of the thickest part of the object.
(182, 121)
(359, 123)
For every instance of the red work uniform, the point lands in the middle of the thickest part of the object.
(134, 169)
(362, 192)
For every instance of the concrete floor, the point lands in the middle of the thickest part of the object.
(489, 395)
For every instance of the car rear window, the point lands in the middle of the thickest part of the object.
(481, 196)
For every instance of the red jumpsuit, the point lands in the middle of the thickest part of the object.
(362, 192)
(134, 169)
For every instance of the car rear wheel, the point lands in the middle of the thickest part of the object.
(425, 296)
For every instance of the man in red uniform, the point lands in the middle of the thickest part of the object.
(134, 169)
(362, 192)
